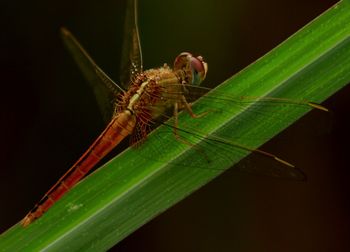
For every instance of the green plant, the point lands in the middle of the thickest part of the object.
(127, 192)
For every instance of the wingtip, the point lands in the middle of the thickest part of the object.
(318, 106)
(284, 162)
(64, 31)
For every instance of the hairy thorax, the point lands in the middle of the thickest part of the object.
(151, 93)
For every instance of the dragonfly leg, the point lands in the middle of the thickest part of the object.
(181, 139)
(188, 107)
(176, 122)
(176, 126)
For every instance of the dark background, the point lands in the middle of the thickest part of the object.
(49, 117)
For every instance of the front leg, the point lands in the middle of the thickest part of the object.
(188, 107)
(176, 128)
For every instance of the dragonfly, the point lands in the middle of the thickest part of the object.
(150, 95)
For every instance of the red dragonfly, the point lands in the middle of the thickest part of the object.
(150, 94)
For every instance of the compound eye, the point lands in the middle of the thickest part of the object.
(194, 67)
(199, 69)
(182, 60)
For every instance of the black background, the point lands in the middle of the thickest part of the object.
(49, 117)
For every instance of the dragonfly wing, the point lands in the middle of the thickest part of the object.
(230, 146)
(105, 89)
(226, 150)
(131, 62)
(255, 166)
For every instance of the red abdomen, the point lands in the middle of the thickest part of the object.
(121, 126)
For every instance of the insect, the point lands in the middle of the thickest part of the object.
(151, 94)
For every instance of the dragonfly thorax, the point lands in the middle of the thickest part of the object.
(151, 93)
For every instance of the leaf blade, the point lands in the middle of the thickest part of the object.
(125, 193)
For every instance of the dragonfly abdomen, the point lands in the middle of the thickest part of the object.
(121, 126)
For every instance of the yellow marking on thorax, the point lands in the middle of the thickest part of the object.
(136, 96)
(165, 78)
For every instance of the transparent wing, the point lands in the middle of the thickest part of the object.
(227, 149)
(104, 88)
(227, 145)
(131, 62)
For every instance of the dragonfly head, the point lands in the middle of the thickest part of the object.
(194, 68)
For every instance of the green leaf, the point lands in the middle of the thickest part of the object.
(128, 191)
